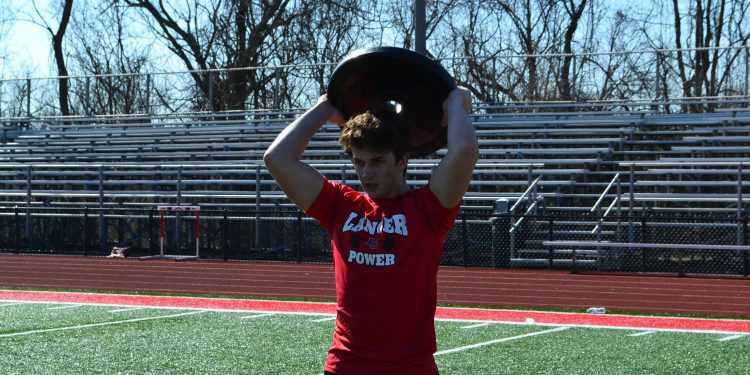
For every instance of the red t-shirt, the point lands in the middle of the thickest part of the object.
(385, 254)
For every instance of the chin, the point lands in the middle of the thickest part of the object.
(372, 194)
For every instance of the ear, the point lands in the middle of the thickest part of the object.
(404, 161)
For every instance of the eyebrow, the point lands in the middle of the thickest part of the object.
(377, 158)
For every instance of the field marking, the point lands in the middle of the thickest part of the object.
(63, 307)
(321, 320)
(82, 326)
(464, 315)
(643, 333)
(10, 304)
(476, 325)
(504, 339)
(256, 316)
(126, 309)
(733, 337)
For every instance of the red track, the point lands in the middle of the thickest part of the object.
(480, 287)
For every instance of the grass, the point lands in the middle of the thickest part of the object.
(212, 342)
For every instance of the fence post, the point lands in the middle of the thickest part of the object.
(151, 240)
(464, 238)
(745, 256)
(259, 226)
(17, 230)
(500, 234)
(86, 231)
(29, 222)
(550, 237)
(680, 269)
(225, 234)
(102, 220)
(299, 236)
(644, 238)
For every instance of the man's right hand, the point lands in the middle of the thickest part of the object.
(334, 115)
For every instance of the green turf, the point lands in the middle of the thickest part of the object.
(225, 343)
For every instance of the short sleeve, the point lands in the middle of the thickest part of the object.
(440, 218)
(320, 209)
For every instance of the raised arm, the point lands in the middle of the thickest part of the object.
(452, 176)
(301, 182)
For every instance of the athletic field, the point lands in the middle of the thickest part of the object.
(80, 333)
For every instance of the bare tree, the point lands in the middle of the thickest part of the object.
(398, 17)
(323, 34)
(232, 34)
(58, 36)
(101, 39)
(574, 12)
(702, 70)
(5, 14)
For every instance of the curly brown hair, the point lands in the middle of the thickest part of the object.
(377, 129)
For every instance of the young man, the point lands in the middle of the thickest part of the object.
(387, 243)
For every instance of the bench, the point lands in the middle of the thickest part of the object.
(678, 250)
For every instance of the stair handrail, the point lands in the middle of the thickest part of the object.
(531, 190)
(598, 203)
(530, 194)
(597, 206)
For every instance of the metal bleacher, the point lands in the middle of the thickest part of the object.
(574, 158)
(217, 159)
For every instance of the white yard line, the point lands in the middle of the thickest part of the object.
(733, 337)
(10, 304)
(643, 333)
(63, 307)
(255, 316)
(476, 325)
(126, 310)
(504, 339)
(328, 318)
(99, 324)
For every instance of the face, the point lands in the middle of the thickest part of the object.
(381, 175)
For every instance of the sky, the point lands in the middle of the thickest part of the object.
(28, 45)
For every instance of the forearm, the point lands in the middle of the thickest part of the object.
(452, 176)
(461, 137)
(291, 143)
(300, 182)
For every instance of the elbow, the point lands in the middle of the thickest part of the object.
(271, 159)
(268, 156)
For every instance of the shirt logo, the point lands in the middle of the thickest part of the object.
(369, 259)
(394, 224)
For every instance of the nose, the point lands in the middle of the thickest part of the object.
(368, 171)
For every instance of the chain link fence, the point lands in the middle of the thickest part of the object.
(478, 239)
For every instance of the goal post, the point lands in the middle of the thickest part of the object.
(163, 211)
